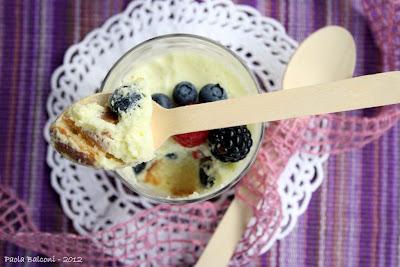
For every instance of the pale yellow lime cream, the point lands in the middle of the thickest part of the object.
(178, 178)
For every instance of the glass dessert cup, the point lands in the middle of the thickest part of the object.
(193, 58)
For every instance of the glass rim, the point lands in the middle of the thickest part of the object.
(234, 181)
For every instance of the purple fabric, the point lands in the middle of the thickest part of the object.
(353, 218)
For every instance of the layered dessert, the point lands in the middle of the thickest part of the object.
(108, 135)
(115, 133)
(193, 164)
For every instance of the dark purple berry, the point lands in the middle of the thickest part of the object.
(206, 180)
(172, 156)
(123, 99)
(139, 167)
(230, 144)
(163, 100)
(184, 94)
(211, 93)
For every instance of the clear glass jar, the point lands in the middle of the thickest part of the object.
(190, 43)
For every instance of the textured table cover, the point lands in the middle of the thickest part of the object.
(353, 219)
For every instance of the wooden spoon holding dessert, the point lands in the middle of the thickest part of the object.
(350, 94)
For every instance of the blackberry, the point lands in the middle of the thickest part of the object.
(206, 180)
(230, 144)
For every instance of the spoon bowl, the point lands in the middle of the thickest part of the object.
(329, 54)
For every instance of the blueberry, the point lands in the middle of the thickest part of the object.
(212, 92)
(172, 156)
(139, 167)
(123, 99)
(163, 100)
(184, 94)
(205, 179)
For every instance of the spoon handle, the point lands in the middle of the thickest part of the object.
(350, 94)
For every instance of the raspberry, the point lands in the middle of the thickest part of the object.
(197, 154)
(191, 139)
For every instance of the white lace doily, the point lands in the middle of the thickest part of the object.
(93, 199)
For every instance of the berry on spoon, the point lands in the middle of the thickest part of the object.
(123, 99)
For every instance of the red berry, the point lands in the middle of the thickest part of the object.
(197, 154)
(191, 139)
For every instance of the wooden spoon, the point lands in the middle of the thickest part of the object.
(356, 93)
(350, 94)
(326, 55)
